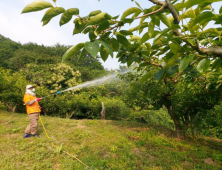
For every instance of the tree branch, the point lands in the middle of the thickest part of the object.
(154, 64)
(217, 50)
(151, 13)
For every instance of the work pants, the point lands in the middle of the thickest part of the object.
(32, 128)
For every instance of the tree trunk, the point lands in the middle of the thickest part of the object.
(103, 112)
(175, 118)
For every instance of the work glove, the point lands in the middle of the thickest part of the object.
(38, 99)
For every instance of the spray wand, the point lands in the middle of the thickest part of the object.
(58, 92)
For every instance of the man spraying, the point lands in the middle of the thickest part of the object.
(33, 110)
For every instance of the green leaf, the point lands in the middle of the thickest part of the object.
(67, 15)
(65, 18)
(203, 65)
(92, 35)
(207, 15)
(139, 5)
(174, 26)
(220, 11)
(185, 62)
(92, 47)
(159, 74)
(124, 32)
(99, 18)
(130, 11)
(52, 12)
(104, 25)
(114, 44)
(144, 38)
(82, 54)
(72, 51)
(211, 32)
(164, 19)
(191, 3)
(151, 28)
(115, 17)
(128, 20)
(107, 47)
(79, 26)
(146, 76)
(122, 40)
(217, 64)
(36, 6)
(172, 70)
(174, 47)
(103, 53)
(93, 13)
(72, 11)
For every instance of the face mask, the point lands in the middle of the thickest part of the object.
(33, 89)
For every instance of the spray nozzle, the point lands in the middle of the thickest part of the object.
(58, 92)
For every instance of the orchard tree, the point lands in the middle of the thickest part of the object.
(176, 41)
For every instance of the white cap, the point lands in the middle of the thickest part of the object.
(29, 86)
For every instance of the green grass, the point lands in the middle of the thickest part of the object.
(101, 144)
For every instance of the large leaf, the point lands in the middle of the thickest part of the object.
(104, 25)
(159, 74)
(164, 19)
(174, 26)
(185, 62)
(107, 47)
(93, 13)
(174, 47)
(191, 3)
(52, 12)
(125, 32)
(79, 26)
(36, 6)
(82, 54)
(122, 40)
(151, 27)
(99, 18)
(103, 53)
(130, 11)
(67, 15)
(144, 38)
(207, 15)
(114, 44)
(92, 47)
(217, 64)
(72, 51)
(203, 65)
(92, 35)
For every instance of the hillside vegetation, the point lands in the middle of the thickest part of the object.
(102, 144)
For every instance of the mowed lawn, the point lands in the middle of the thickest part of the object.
(101, 144)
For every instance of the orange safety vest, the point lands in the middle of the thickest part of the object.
(34, 108)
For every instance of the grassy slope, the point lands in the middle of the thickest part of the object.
(101, 145)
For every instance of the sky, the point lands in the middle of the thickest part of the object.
(25, 28)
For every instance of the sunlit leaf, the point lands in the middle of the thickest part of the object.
(71, 52)
(203, 65)
(99, 18)
(52, 12)
(130, 11)
(92, 47)
(37, 6)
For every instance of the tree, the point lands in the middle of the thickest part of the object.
(12, 89)
(182, 45)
